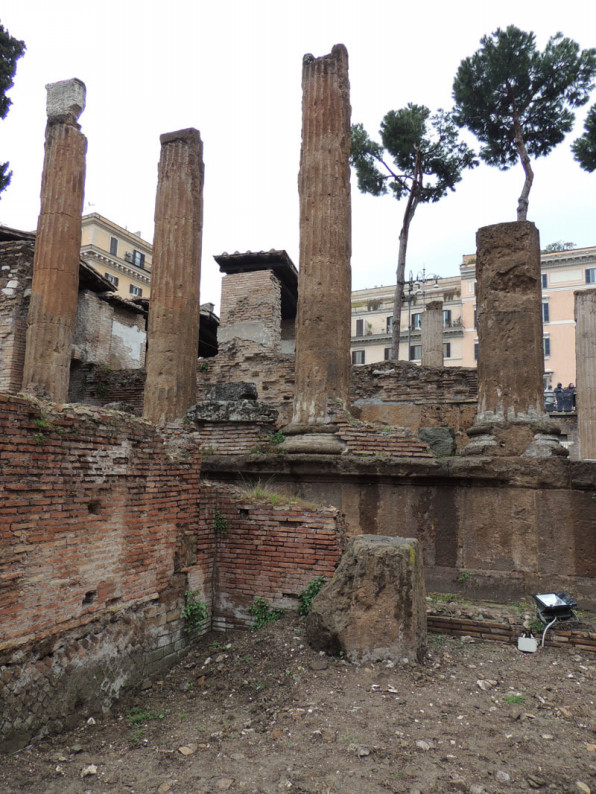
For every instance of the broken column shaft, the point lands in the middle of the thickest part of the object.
(511, 419)
(323, 320)
(55, 286)
(585, 357)
(174, 311)
(432, 335)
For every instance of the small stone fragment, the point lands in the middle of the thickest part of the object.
(224, 783)
(582, 788)
(186, 750)
(422, 745)
(91, 721)
(486, 683)
(89, 770)
(164, 788)
(502, 777)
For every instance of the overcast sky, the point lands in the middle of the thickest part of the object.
(232, 69)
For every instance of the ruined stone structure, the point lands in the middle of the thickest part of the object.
(173, 329)
(585, 354)
(432, 335)
(374, 607)
(57, 249)
(323, 322)
(105, 526)
(511, 416)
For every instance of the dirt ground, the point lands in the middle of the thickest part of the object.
(259, 711)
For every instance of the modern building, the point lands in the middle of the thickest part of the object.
(120, 256)
(562, 273)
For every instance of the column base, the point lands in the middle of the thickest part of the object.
(318, 439)
(515, 438)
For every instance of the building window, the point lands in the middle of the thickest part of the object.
(112, 279)
(545, 312)
(475, 317)
(591, 275)
(544, 280)
(136, 291)
(357, 356)
(389, 325)
(476, 350)
(446, 349)
(359, 327)
(546, 346)
(113, 246)
(415, 352)
(138, 259)
(446, 318)
(387, 355)
(416, 321)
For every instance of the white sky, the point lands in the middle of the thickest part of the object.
(232, 69)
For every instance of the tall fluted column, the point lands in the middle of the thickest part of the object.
(585, 359)
(55, 287)
(174, 311)
(323, 321)
(511, 419)
(432, 335)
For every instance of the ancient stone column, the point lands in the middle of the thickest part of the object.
(432, 335)
(173, 327)
(55, 286)
(585, 359)
(511, 416)
(323, 319)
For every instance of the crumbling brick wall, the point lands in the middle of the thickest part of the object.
(265, 547)
(98, 533)
(15, 288)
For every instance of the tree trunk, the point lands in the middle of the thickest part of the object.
(522, 203)
(398, 298)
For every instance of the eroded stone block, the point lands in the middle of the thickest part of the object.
(374, 606)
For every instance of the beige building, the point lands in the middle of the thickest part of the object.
(122, 257)
(562, 273)
(372, 320)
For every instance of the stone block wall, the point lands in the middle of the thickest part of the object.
(98, 533)
(264, 549)
(15, 288)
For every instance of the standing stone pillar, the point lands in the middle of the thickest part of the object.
(511, 419)
(323, 319)
(55, 286)
(432, 335)
(174, 311)
(585, 358)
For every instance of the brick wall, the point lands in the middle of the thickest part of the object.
(15, 287)
(401, 381)
(251, 309)
(233, 438)
(264, 550)
(98, 530)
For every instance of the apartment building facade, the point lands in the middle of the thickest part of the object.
(562, 273)
(122, 257)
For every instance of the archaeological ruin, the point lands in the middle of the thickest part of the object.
(137, 472)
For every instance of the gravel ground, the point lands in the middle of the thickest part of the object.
(259, 711)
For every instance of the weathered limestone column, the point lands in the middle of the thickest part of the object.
(432, 335)
(174, 311)
(511, 419)
(55, 286)
(323, 320)
(585, 360)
